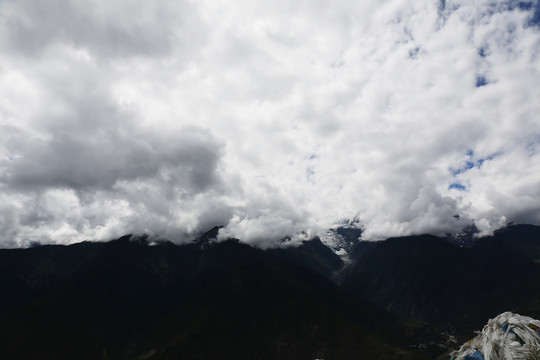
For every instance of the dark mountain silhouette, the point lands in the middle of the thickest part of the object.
(28, 273)
(464, 238)
(313, 255)
(135, 299)
(127, 300)
(427, 279)
(350, 235)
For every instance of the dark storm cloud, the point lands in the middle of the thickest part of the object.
(98, 160)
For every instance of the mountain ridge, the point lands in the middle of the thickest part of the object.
(135, 297)
(129, 299)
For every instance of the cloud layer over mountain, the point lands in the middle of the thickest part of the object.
(273, 118)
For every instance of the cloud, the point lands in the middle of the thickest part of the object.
(277, 120)
(114, 29)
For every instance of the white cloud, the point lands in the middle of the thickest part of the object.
(272, 118)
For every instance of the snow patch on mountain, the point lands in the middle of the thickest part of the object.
(337, 243)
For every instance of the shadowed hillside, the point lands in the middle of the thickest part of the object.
(126, 300)
(424, 278)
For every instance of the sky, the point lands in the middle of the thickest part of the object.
(274, 119)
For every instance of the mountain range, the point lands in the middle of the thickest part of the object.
(413, 297)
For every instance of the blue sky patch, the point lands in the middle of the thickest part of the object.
(471, 163)
(479, 162)
(442, 4)
(457, 186)
(535, 19)
(525, 5)
(482, 52)
(529, 6)
(468, 165)
(481, 81)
